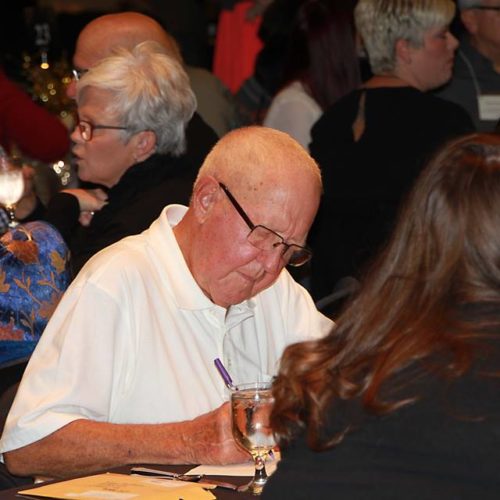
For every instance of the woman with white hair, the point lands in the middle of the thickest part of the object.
(372, 144)
(133, 108)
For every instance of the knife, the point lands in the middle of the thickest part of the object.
(200, 478)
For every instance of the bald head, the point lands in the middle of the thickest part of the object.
(255, 178)
(126, 29)
(257, 159)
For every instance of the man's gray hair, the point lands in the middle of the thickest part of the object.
(150, 91)
(381, 23)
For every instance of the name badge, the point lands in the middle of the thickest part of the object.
(489, 106)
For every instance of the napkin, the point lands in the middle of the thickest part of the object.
(246, 469)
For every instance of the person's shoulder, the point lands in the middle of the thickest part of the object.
(338, 112)
(292, 103)
(198, 75)
(346, 102)
(125, 256)
(292, 90)
(431, 110)
(447, 110)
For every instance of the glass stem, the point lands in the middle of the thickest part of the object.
(260, 470)
(11, 212)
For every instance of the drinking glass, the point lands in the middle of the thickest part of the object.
(251, 406)
(11, 185)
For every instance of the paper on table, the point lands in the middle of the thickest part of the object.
(111, 486)
(246, 469)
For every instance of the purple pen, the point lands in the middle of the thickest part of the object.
(225, 375)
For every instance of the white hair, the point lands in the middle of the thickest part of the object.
(381, 23)
(150, 91)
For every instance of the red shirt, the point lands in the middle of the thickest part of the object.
(36, 132)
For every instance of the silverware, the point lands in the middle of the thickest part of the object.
(195, 478)
(144, 471)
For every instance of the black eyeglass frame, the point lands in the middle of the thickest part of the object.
(487, 7)
(92, 127)
(307, 252)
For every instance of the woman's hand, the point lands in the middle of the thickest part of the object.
(90, 201)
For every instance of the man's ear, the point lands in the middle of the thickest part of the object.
(469, 20)
(403, 51)
(144, 145)
(205, 195)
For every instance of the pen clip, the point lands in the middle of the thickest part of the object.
(225, 375)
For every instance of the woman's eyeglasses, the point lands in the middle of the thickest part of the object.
(87, 129)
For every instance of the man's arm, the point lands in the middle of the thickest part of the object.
(86, 446)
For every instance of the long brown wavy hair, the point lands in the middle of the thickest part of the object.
(443, 257)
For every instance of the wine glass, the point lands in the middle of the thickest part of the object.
(251, 406)
(11, 186)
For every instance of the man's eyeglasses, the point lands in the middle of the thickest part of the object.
(266, 239)
(487, 7)
(87, 129)
(78, 73)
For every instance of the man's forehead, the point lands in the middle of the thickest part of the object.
(87, 55)
(288, 205)
(95, 43)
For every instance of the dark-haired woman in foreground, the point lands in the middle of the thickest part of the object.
(402, 400)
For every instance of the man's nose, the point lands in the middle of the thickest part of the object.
(272, 259)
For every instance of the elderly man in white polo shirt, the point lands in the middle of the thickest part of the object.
(124, 372)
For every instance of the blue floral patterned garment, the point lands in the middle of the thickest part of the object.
(34, 272)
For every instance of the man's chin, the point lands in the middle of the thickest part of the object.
(233, 298)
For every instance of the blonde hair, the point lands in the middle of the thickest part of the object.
(381, 23)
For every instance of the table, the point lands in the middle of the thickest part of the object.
(219, 493)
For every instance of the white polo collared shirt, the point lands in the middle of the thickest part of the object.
(134, 340)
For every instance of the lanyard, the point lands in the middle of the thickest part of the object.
(472, 72)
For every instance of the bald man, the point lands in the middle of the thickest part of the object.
(127, 29)
(97, 40)
(124, 371)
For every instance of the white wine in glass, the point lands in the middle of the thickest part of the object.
(251, 407)
(11, 185)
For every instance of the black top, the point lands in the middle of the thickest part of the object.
(200, 139)
(364, 181)
(446, 446)
(133, 204)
